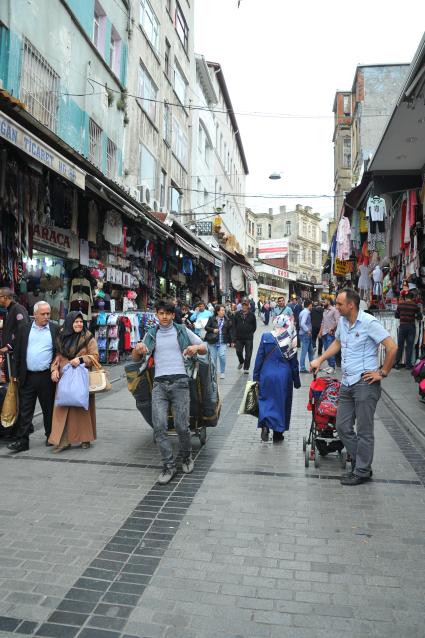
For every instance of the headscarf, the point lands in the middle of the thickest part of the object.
(70, 342)
(286, 335)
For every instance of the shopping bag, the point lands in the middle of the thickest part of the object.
(73, 387)
(249, 403)
(10, 407)
(98, 378)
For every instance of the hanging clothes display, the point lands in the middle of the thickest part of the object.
(343, 239)
(112, 228)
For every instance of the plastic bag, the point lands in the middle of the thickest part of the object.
(73, 387)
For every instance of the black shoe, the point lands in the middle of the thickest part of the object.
(264, 433)
(353, 479)
(31, 430)
(47, 442)
(397, 366)
(18, 446)
(278, 437)
(240, 366)
(351, 473)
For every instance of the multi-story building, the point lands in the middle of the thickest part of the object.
(360, 116)
(230, 167)
(300, 270)
(250, 237)
(68, 65)
(158, 147)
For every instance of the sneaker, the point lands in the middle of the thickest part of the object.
(222, 375)
(167, 474)
(329, 370)
(188, 465)
(240, 366)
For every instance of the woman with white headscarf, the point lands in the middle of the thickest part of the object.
(277, 372)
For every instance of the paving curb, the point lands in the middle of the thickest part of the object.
(403, 419)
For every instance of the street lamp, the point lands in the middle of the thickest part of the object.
(276, 175)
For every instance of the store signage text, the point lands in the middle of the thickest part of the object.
(53, 236)
(272, 248)
(341, 267)
(17, 135)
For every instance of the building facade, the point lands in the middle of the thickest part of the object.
(342, 148)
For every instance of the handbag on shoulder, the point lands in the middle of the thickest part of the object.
(98, 379)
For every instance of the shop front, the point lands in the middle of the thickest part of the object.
(273, 281)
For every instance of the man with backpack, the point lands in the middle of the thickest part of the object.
(173, 347)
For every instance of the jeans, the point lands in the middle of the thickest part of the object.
(406, 333)
(171, 395)
(314, 338)
(357, 403)
(218, 350)
(327, 340)
(240, 345)
(306, 348)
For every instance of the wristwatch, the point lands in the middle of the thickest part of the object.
(382, 373)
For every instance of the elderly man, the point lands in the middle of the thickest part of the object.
(358, 336)
(34, 351)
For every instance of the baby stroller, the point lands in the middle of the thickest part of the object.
(323, 438)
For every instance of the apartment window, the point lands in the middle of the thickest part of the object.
(115, 52)
(167, 54)
(39, 86)
(181, 27)
(207, 151)
(95, 143)
(162, 188)
(288, 228)
(99, 23)
(324, 237)
(166, 125)
(200, 138)
(347, 104)
(175, 199)
(180, 83)
(313, 257)
(111, 159)
(293, 257)
(149, 23)
(259, 230)
(270, 231)
(148, 93)
(199, 191)
(147, 169)
(179, 143)
(304, 229)
(346, 152)
(168, 6)
(304, 254)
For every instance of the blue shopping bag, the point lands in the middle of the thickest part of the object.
(73, 387)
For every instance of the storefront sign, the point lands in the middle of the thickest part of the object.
(341, 267)
(23, 139)
(204, 228)
(53, 237)
(276, 272)
(272, 248)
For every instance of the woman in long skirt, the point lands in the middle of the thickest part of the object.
(277, 372)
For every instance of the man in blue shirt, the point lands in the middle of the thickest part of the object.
(358, 337)
(304, 332)
(34, 350)
(200, 318)
(282, 308)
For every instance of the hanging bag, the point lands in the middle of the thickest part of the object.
(98, 379)
(73, 387)
(10, 407)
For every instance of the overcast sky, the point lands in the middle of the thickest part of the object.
(289, 57)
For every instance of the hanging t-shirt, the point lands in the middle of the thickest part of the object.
(376, 209)
(112, 228)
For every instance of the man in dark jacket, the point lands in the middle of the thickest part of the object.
(245, 324)
(316, 322)
(34, 351)
(15, 315)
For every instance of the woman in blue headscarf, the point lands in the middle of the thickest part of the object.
(277, 372)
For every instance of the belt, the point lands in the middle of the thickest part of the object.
(38, 371)
(171, 377)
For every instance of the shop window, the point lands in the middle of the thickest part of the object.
(39, 86)
(147, 93)
(111, 159)
(149, 23)
(162, 188)
(115, 52)
(180, 83)
(46, 277)
(147, 169)
(95, 143)
(181, 27)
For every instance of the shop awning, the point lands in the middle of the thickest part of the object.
(240, 260)
(359, 193)
(189, 248)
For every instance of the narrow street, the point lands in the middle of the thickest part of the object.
(251, 545)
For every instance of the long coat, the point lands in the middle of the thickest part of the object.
(81, 424)
(276, 376)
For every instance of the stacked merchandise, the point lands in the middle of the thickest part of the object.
(117, 333)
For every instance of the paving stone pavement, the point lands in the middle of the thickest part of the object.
(251, 545)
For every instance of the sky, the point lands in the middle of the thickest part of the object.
(284, 57)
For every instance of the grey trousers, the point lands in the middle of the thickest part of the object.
(357, 404)
(172, 396)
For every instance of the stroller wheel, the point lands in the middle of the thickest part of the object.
(343, 459)
(304, 443)
(307, 457)
(316, 458)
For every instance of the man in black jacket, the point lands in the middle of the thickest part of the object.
(15, 316)
(245, 324)
(316, 322)
(34, 351)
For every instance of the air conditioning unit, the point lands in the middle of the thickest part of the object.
(145, 196)
(155, 206)
(135, 192)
